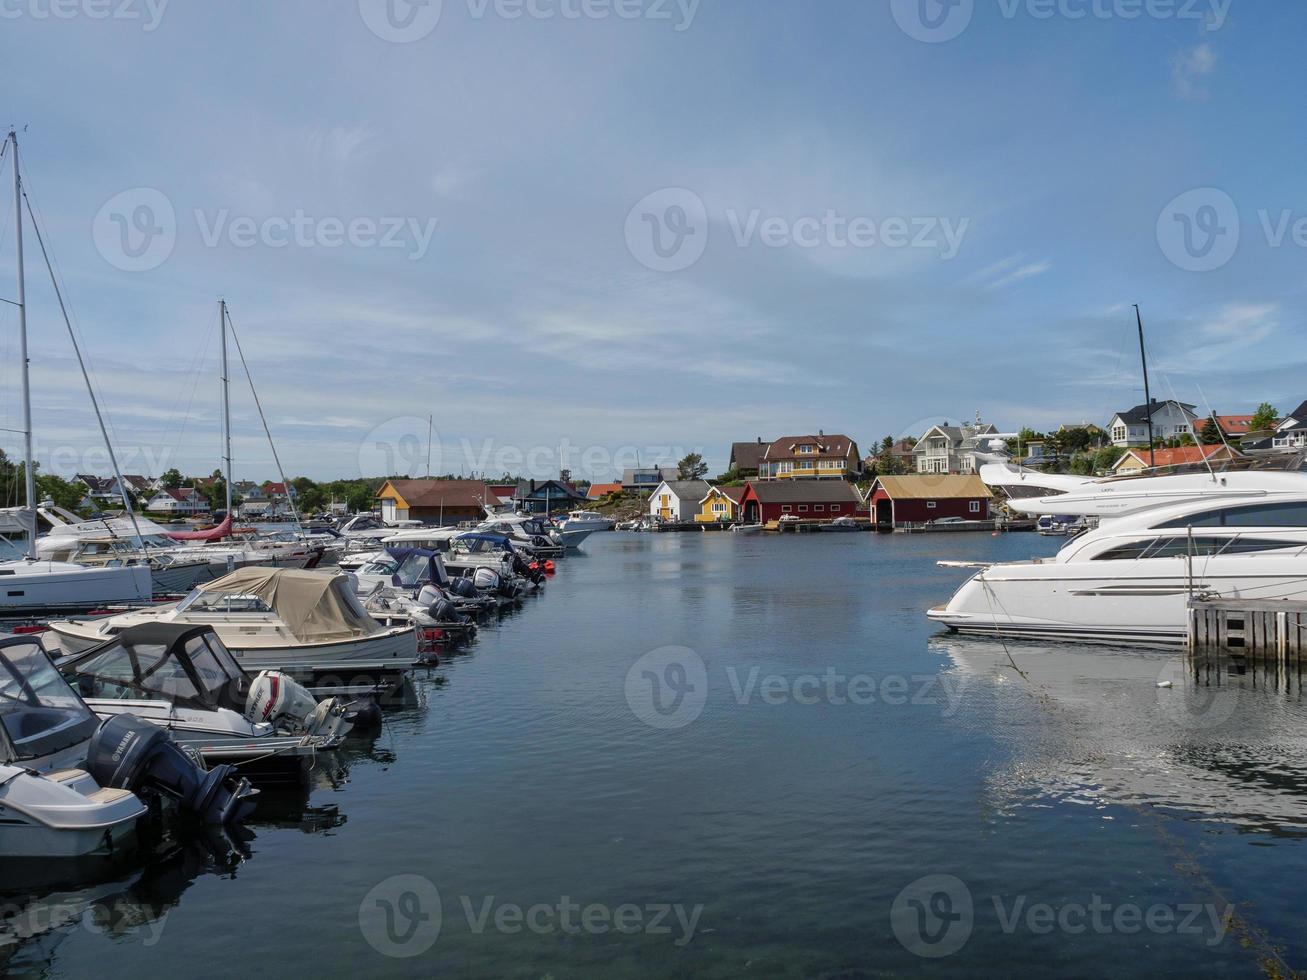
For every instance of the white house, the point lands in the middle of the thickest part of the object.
(1171, 419)
(677, 500)
(1291, 431)
(183, 501)
(951, 448)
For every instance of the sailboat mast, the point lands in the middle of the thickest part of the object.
(1148, 396)
(29, 467)
(226, 406)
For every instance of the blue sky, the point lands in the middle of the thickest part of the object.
(858, 230)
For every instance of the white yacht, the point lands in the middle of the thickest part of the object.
(269, 618)
(1131, 578)
(580, 524)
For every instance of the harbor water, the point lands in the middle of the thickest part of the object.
(714, 755)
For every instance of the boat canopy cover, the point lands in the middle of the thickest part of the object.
(315, 606)
(39, 713)
(414, 561)
(495, 539)
(212, 534)
(15, 520)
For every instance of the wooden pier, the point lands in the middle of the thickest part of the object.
(1259, 630)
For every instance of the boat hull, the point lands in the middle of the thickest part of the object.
(41, 585)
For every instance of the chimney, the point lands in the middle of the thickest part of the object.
(760, 440)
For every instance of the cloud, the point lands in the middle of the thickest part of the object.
(1008, 271)
(1189, 67)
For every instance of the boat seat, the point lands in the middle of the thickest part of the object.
(108, 795)
(65, 775)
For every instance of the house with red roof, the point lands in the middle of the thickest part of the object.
(819, 457)
(598, 491)
(1137, 460)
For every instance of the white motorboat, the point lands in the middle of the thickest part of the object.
(844, 524)
(1130, 579)
(64, 814)
(182, 678)
(746, 528)
(580, 524)
(269, 618)
(532, 535)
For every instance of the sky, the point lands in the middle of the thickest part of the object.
(591, 232)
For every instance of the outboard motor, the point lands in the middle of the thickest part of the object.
(464, 588)
(531, 572)
(486, 579)
(443, 611)
(131, 754)
(282, 702)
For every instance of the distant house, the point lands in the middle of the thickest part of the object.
(598, 491)
(433, 501)
(546, 496)
(1171, 419)
(181, 502)
(951, 448)
(105, 489)
(919, 498)
(504, 493)
(746, 457)
(819, 457)
(720, 504)
(1233, 427)
(1138, 460)
(1291, 431)
(677, 500)
(642, 479)
(764, 501)
(899, 456)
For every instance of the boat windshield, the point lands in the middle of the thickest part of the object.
(39, 713)
(198, 672)
(382, 566)
(224, 602)
(415, 570)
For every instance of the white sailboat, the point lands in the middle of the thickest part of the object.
(29, 584)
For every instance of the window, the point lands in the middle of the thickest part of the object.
(1118, 433)
(1282, 514)
(834, 507)
(817, 507)
(975, 506)
(803, 508)
(930, 505)
(805, 449)
(1177, 546)
(785, 467)
(785, 508)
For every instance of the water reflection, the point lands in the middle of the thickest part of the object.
(1213, 740)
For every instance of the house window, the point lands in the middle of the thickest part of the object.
(803, 508)
(785, 508)
(816, 507)
(1118, 433)
(975, 506)
(785, 467)
(930, 505)
(834, 507)
(805, 449)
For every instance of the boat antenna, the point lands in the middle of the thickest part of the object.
(90, 389)
(29, 469)
(290, 498)
(1211, 414)
(1148, 399)
(226, 406)
(1210, 472)
(430, 421)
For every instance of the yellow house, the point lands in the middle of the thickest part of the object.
(721, 504)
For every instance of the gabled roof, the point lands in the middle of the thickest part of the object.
(932, 486)
(804, 491)
(178, 493)
(1176, 457)
(1233, 425)
(732, 494)
(96, 484)
(1139, 413)
(598, 490)
(748, 455)
(833, 446)
(1298, 416)
(435, 493)
(691, 490)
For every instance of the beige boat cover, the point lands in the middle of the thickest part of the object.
(315, 606)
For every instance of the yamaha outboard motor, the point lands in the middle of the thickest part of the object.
(443, 611)
(463, 587)
(486, 579)
(131, 754)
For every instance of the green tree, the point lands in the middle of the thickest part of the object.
(1264, 418)
(1210, 435)
(172, 479)
(692, 467)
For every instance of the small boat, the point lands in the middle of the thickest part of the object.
(746, 528)
(844, 524)
(269, 618)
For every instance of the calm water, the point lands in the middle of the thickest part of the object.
(799, 779)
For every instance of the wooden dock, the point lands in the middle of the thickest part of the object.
(1259, 630)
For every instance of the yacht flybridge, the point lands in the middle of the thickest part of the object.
(1131, 577)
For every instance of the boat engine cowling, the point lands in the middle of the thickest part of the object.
(464, 588)
(486, 579)
(131, 754)
(278, 700)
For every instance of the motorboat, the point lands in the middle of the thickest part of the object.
(746, 528)
(1131, 578)
(844, 524)
(72, 787)
(464, 552)
(269, 618)
(411, 586)
(532, 535)
(370, 529)
(583, 518)
(182, 678)
(32, 585)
